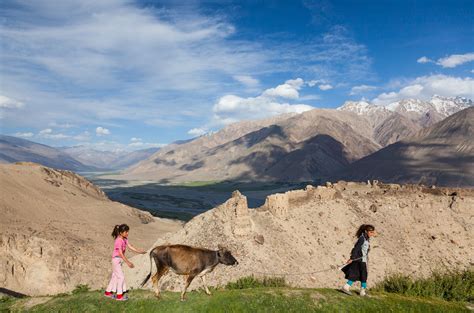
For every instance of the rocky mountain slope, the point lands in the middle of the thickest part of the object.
(108, 160)
(406, 117)
(14, 149)
(442, 154)
(303, 235)
(298, 148)
(304, 147)
(55, 230)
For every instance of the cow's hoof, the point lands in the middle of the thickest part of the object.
(183, 300)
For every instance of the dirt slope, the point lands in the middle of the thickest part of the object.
(309, 230)
(55, 230)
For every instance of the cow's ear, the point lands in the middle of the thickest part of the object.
(220, 247)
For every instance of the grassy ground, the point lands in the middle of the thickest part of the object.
(454, 285)
(283, 299)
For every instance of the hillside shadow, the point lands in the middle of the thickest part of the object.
(251, 139)
(319, 155)
(439, 165)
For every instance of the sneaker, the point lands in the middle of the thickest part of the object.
(346, 289)
(109, 294)
(121, 297)
(363, 292)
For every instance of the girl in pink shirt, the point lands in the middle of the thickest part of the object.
(117, 282)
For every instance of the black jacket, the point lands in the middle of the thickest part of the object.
(356, 252)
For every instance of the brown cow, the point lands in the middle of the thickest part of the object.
(186, 260)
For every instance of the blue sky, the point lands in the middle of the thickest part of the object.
(116, 74)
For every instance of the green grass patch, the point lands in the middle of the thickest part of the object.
(80, 289)
(252, 282)
(262, 299)
(450, 286)
(198, 183)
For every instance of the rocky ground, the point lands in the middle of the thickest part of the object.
(55, 230)
(299, 233)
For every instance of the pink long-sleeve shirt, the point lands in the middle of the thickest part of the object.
(120, 244)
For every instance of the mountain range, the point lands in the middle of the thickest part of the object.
(108, 160)
(311, 146)
(13, 149)
(442, 154)
(77, 158)
(353, 141)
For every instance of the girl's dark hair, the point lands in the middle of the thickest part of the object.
(363, 228)
(119, 229)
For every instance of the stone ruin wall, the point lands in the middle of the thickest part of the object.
(280, 204)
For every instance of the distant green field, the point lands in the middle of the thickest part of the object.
(198, 183)
(282, 299)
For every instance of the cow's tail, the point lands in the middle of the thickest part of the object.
(151, 269)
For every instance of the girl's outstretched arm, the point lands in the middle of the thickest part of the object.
(124, 258)
(135, 249)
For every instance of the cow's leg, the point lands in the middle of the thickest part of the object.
(161, 270)
(189, 279)
(205, 285)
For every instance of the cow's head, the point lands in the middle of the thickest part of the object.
(225, 257)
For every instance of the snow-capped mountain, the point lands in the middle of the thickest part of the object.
(445, 106)
(449, 106)
(362, 107)
(410, 105)
(405, 117)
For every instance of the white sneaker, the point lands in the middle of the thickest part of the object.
(363, 293)
(346, 289)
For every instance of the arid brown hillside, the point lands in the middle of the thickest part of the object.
(298, 148)
(14, 149)
(442, 154)
(55, 230)
(299, 233)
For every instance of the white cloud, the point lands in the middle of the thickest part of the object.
(424, 59)
(425, 87)
(321, 83)
(101, 131)
(9, 103)
(135, 139)
(24, 135)
(246, 80)
(325, 87)
(357, 90)
(309, 97)
(145, 145)
(197, 132)
(232, 108)
(313, 83)
(287, 90)
(117, 51)
(45, 131)
(84, 136)
(60, 125)
(455, 60)
(49, 134)
(450, 61)
(119, 60)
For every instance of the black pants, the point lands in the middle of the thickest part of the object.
(356, 271)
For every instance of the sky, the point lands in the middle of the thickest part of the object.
(127, 75)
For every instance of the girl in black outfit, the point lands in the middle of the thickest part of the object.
(356, 268)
